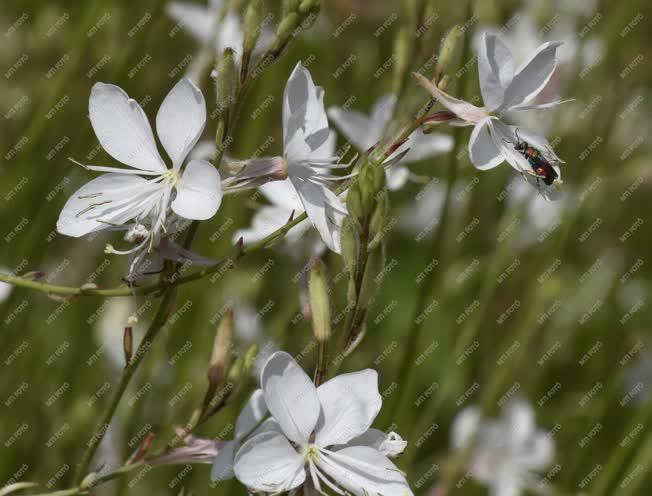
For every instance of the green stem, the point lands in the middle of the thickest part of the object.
(155, 327)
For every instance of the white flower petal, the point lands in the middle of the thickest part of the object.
(119, 198)
(349, 404)
(465, 426)
(504, 139)
(222, 468)
(199, 21)
(506, 482)
(230, 34)
(396, 176)
(199, 191)
(532, 76)
(423, 146)
(303, 114)
(267, 462)
(462, 109)
(538, 452)
(496, 69)
(122, 128)
(283, 194)
(483, 151)
(372, 438)
(518, 417)
(381, 113)
(180, 120)
(325, 210)
(5, 288)
(390, 445)
(361, 130)
(251, 415)
(354, 125)
(364, 471)
(539, 106)
(291, 396)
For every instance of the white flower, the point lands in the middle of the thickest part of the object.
(504, 90)
(312, 436)
(505, 451)
(366, 131)
(308, 150)
(123, 198)
(248, 420)
(5, 288)
(203, 24)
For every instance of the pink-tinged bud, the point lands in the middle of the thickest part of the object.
(238, 175)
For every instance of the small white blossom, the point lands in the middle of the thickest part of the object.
(204, 25)
(308, 154)
(364, 132)
(317, 436)
(504, 452)
(505, 89)
(123, 198)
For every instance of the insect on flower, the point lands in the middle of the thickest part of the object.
(541, 165)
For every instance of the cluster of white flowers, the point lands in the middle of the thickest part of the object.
(292, 434)
(314, 436)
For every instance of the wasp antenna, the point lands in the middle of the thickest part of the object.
(77, 162)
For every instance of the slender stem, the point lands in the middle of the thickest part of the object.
(155, 327)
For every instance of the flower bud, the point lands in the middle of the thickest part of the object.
(250, 357)
(289, 6)
(252, 25)
(320, 306)
(236, 371)
(286, 29)
(447, 51)
(354, 201)
(349, 244)
(378, 217)
(378, 177)
(238, 175)
(444, 82)
(367, 189)
(221, 349)
(226, 80)
(310, 6)
(370, 281)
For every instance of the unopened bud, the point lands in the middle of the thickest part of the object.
(378, 177)
(320, 307)
(221, 349)
(310, 6)
(226, 80)
(289, 6)
(444, 82)
(33, 275)
(285, 29)
(447, 51)
(367, 188)
(354, 201)
(349, 243)
(252, 24)
(128, 344)
(371, 278)
(236, 371)
(378, 217)
(250, 357)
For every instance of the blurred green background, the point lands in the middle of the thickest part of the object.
(551, 299)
